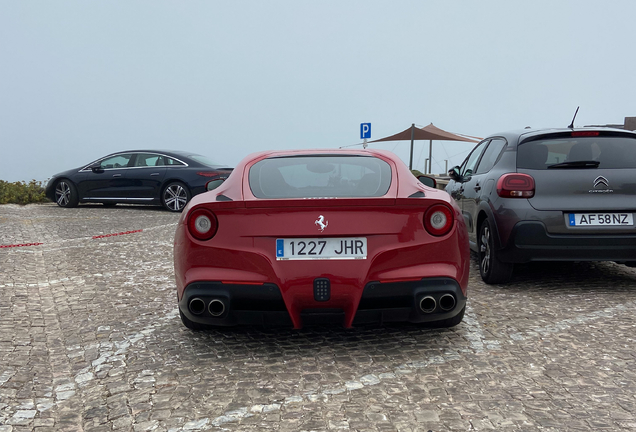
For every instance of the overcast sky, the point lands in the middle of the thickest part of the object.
(82, 79)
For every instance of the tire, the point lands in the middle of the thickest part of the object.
(492, 270)
(449, 322)
(175, 196)
(66, 194)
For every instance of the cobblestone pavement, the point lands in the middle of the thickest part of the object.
(90, 340)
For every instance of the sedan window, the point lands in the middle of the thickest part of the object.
(320, 176)
(203, 160)
(148, 159)
(113, 162)
(170, 161)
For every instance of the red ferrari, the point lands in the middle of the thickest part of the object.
(307, 237)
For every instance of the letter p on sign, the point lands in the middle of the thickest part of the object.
(365, 130)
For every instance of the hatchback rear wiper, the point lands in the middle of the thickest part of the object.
(576, 164)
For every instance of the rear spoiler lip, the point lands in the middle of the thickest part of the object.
(556, 134)
(320, 202)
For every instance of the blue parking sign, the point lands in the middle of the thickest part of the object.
(365, 130)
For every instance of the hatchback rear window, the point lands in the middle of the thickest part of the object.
(320, 177)
(607, 152)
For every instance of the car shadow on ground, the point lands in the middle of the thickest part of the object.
(586, 275)
(139, 207)
(399, 343)
(402, 342)
(564, 275)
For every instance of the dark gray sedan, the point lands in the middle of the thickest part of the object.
(138, 177)
(549, 195)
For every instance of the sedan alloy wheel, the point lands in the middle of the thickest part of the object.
(175, 197)
(65, 194)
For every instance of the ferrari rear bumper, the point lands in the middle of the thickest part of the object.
(426, 300)
(417, 301)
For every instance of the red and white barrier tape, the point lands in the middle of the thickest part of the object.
(116, 234)
(20, 245)
(93, 238)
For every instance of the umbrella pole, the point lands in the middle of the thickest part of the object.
(412, 138)
(430, 156)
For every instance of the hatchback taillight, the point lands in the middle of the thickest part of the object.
(585, 133)
(438, 220)
(202, 224)
(515, 185)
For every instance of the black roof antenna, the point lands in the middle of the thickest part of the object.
(572, 124)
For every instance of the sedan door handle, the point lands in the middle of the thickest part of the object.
(116, 175)
(154, 174)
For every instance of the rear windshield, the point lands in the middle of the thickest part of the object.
(320, 177)
(609, 151)
(203, 160)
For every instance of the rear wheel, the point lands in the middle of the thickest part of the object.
(449, 322)
(492, 270)
(66, 194)
(175, 196)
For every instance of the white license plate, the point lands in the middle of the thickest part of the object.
(601, 219)
(321, 248)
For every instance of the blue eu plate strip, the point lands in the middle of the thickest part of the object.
(280, 248)
(572, 221)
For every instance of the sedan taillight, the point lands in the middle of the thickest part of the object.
(438, 220)
(202, 224)
(515, 185)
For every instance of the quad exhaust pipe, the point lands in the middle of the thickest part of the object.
(447, 302)
(216, 307)
(196, 306)
(428, 304)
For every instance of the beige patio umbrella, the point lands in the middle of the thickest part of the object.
(429, 133)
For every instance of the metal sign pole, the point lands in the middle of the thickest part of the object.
(412, 138)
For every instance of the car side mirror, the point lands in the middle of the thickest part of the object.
(97, 169)
(213, 184)
(427, 181)
(453, 173)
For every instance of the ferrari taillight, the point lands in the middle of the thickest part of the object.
(438, 220)
(202, 224)
(515, 185)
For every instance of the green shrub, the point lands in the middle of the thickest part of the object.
(22, 192)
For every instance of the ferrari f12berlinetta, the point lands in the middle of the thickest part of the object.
(306, 237)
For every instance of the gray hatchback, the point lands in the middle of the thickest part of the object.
(549, 195)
